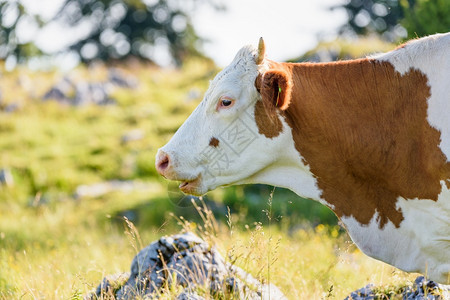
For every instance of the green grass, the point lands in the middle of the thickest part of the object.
(56, 246)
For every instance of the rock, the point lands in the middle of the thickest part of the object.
(81, 93)
(102, 188)
(117, 78)
(92, 93)
(6, 177)
(192, 266)
(364, 293)
(55, 94)
(10, 108)
(111, 283)
(421, 290)
(61, 91)
(189, 296)
(132, 135)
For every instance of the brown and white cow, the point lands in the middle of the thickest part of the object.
(369, 138)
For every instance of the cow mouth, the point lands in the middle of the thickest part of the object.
(190, 186)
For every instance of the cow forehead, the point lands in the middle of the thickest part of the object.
(233, 77)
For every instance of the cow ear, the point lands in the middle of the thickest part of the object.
(275, 88)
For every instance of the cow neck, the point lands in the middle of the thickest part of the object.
(362, 128)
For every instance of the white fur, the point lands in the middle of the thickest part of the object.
(289, 171)
(420, 244)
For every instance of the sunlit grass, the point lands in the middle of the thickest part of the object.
(55, 254)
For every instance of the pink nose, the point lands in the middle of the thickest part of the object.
(162, 163)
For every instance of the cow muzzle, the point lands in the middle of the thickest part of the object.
(166, 166)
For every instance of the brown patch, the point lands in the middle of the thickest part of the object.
(363, 130)
(275, 88)
(213, 142)
(267, 120)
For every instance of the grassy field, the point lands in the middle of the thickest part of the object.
(57, 242)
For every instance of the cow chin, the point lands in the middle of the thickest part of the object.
(193, 187)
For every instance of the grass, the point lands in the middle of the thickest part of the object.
(54, 245)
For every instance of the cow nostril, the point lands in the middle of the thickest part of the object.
(163, 163)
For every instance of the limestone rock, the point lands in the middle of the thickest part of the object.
(189, 265)
(421, 290)
(6, 177)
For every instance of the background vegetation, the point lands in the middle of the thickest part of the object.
(72, 172)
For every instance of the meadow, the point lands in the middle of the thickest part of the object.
(77, 173)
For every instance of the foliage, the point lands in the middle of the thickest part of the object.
(396, 19)
(340, 49)
(424, 17)
(114, 29)
(373, 16)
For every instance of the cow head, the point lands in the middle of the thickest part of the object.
(236, 134)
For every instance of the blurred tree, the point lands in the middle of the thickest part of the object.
(374, 16)
(423, 17)
(115, 29)
(396, 19)
(13, 16)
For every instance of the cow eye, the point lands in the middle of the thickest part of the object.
(225, 102)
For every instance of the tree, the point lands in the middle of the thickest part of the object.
(424, 17)
(117, 29)
(373, 16)
(396, 20)
(12, 16)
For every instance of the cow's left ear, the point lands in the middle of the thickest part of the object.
(275, 87)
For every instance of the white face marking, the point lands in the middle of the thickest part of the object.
(243, 155)
(234, 127)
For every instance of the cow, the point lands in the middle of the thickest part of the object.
(369, 138)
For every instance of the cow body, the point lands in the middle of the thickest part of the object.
(369, 138)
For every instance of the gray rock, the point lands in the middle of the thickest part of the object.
(6, 177)
(61, 91)
(56, 94)
(365, 293)
(81, 93)
(10, 108)
(111, 283)
(186, 261)
(116, 77)
(189, 296)
(102, 188)
(92, 93)
(421, 290)
(132, 135)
